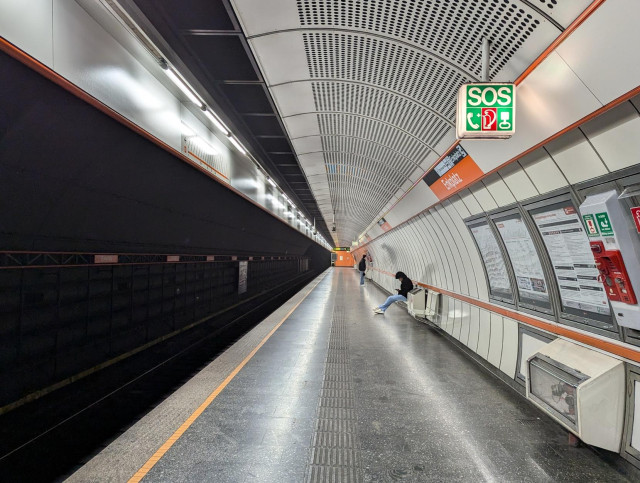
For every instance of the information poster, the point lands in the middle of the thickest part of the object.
(568, 247)
(242, 276)
(524, 258)
(492, 256)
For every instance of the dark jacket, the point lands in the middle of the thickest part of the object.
(405, 287)
(362, 266)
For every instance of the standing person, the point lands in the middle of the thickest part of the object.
(405, 286)
(362, 266)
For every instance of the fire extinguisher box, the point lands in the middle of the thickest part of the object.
(581, 389)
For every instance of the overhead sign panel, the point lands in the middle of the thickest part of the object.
(486, 111)
(455, 171)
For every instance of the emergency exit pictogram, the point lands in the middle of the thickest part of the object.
(486, 111)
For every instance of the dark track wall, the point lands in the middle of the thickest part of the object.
(73, 179)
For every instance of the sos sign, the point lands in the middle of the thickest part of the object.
(486, 111)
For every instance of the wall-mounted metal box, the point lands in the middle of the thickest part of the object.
(416, 302)
(580, 388)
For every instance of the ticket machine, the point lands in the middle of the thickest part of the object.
(615, 246)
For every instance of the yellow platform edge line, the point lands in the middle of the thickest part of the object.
(142, 472)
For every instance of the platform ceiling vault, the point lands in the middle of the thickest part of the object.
(366, 89)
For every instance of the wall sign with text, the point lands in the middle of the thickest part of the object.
(455, 171)
(486, 111)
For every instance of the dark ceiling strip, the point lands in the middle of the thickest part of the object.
(57, 79)
(211, 32)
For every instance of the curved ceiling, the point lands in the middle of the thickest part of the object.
(367, 88)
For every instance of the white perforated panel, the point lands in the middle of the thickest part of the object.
(384, 75)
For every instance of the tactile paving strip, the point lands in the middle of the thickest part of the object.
(335, 451)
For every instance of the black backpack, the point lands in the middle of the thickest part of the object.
(362, 266)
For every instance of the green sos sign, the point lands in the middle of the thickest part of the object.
(486, 111)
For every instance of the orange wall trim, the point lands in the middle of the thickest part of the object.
(604, 345)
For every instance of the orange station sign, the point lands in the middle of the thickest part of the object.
(455, 171)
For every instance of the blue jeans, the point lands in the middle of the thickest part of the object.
(361, 277)
(391, 299)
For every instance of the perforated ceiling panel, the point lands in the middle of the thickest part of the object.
(383, 77)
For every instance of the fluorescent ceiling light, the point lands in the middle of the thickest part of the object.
(216, 122)
(271, 182)
(237, 144)
(183, 87)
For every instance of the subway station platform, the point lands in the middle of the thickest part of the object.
(326, 390)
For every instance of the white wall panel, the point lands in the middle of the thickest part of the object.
(445, 250)
(635, 430)
(542, 171)
(307, 145)
(444, 320)
(29, 26)
(551, 98)
(453, 250)
(474, 328)
(466, 248)
(441, 275)
(432, 269)
(262, 16)
(530, 345)
(614, 135)
(470, 202)
(518, 181)
(603, 51)
(457, 318)
(465, 322)
(418, 199)
(484, 334)
(499, 190)
(460, 207)
(478, 286)
(575, 157)
(484, 197)
(88, 56)
(495, 344)
(281, 57)
(509, 358)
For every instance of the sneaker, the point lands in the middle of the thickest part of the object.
(376, 308)
(379, 311)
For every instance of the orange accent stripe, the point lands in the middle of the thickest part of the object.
(605, 345)
(204, 162)
(56, 78)
(561, 38)
(142, 472)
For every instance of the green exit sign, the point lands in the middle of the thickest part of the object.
(486, 111)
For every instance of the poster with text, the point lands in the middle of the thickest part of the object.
(524, 258)
(492, 257)
(573, 265)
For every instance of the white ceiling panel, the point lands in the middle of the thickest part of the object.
(370, 88)
(307, 145)
(294, 98)
(281, 57)
(261, 16)
(302, 125)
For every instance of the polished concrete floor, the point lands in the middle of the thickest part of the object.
(341, 394)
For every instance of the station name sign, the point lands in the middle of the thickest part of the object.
(342, 249)
(455, 171)
(486, 111)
